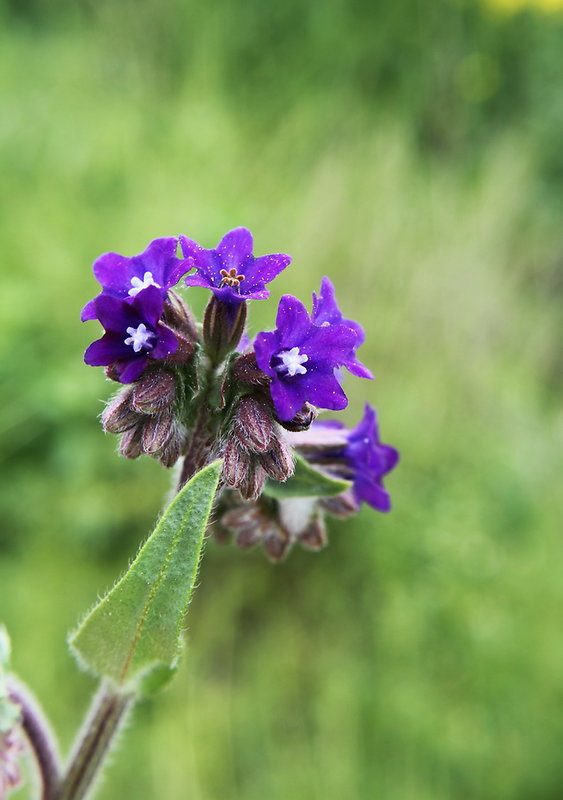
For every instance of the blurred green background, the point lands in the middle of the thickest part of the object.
(413, 152)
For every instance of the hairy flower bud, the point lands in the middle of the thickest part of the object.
(130, 445)
(342, 506)
(278, 461)
(178, 316)
(223, 325)
(172, 451)
(314, 536)
(246, 370)
(119, 416)
(253, 481)
(277, 543)
(253, 425)
(157, 432)
(302, 421)
(154, 391)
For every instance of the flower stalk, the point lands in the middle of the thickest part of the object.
(103, 722)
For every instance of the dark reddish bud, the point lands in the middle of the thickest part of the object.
(314, 535)
(130, 445)
(343, 505)
(278, 461)
(253, 425)
(252, 482)
(302, 420)
(118, 416)
(277, 544)
(157, 432)
(171, 452)
(183, 353)
(236, 461)
(154, 392)
(112, 373)
(178, 316)
(223, 325)
(246, 370)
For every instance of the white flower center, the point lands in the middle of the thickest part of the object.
(138, 284)
(139, 337)
(292, 362)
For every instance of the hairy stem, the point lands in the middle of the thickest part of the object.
(105, 717)
(40, 736)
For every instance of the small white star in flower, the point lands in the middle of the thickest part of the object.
(138, 284)
(139, 337)
(292, 362)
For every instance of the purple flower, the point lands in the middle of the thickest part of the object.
(326, 312)
(124, 277)
(355, 455)
(301, 357)
(230, 270)
(133, 334)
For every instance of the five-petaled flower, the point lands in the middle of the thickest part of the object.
(133, 334)
(326, 312)
(356, 455)
(124, 277)
(301, 357)
(230, 270)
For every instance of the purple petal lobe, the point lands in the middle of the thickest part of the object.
(167, 343)
(235, 247)
(132, 370)
(89, 311)
(106, 350)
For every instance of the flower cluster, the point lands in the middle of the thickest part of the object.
(198, 391)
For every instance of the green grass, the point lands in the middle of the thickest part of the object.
(419, 657)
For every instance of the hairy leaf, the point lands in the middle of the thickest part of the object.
(133, 635)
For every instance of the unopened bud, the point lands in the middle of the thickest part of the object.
(178, 316)
(130, 445)
(119, 416)
(246, 370)
(223, 325)
(343, 505)
(302, 421)
(157, 432)
(236, 461)
(277, 544)
(314, 535)
(154, 392)
(252, 481)
(172, 451)
(253, 426)
(184, 351)
(278, 461)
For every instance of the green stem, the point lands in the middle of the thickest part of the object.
(94, 742)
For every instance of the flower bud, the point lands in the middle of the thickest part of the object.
(236, 462)
(246, 370)
(178, 316)
(278, 461)
(277, 544)
(157, 432)
(155, 390)
(223, 325)
(172, 451)
(343, 505)
(252, 481)
(253, 425)
(302, 421)
(130, 445)
(314, 536)
(118, 416)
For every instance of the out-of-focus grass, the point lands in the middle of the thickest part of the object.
(419, 657)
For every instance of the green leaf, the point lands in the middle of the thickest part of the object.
(306, 481)
(9, 711)
(133, 635)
